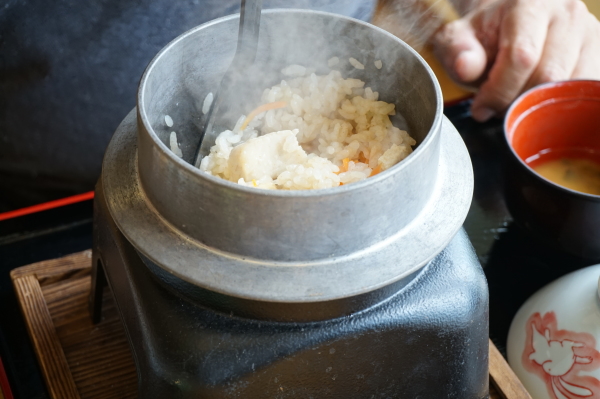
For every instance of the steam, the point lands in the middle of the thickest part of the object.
(286, 50)
(192, 68)
(414, 21)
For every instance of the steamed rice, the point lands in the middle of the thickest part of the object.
(329, 131)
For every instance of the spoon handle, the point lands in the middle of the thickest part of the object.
(248, 32)
(245, 54)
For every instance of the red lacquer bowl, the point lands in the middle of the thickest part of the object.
(560, 115)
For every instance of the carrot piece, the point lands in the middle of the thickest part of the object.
(260, 110)
(376, 170)
(344, 167)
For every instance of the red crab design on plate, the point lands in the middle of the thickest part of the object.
(558, 356)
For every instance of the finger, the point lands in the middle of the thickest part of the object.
(457, 47)
(589, 58)
(522, 35)
(563, 45)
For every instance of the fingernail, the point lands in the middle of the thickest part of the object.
(482, 114)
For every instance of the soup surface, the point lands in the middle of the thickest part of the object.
(574, 168)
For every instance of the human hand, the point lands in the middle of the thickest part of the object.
(508, 46)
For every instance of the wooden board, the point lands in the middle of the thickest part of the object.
(77, 359)
(82, 360)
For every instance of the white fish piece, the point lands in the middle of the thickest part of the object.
(266, 155)
(378, 64)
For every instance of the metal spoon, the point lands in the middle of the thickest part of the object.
(244, 55)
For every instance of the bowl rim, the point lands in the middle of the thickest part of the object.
(511, 109)
(429, 140)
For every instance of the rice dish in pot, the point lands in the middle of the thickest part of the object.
(310, 132)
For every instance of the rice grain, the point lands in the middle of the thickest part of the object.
(355, 63)
(174, 146)
(294, 71)
(333, 61)
(207, 103)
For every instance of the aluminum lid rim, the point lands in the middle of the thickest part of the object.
(144, 228)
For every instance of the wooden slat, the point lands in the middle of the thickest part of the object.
(99, 355)
(97, 358)
(45, 341)
(504, 379)
(56, 269)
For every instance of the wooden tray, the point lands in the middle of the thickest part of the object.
(82, 360)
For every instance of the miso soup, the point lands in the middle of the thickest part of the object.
(573, 168)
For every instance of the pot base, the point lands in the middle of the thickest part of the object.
(428, 339)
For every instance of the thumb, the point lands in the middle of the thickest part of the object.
(459, 50)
